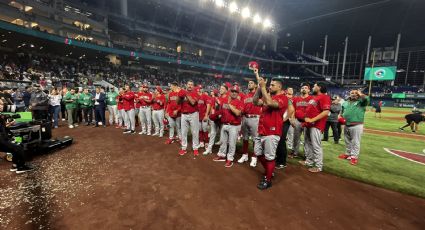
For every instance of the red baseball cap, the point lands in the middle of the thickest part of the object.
(235, 88)
(253, 65)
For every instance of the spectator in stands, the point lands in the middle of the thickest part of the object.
(26, 97)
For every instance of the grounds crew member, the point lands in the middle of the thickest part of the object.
(86, 103)
(158, 103)
(144, 103)
(317, 112)
(251, 117)
(190, 117)
(274, 105)
(173, 114)
(111, 103)
(231, 119)
(413, 121)
(353, 111)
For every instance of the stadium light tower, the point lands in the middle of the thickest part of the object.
(256, 19)
(246, 13)
(233, 7)
(267, 23)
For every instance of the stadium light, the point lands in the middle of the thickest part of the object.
(256, 19)
(246, 13)
(233, 7)
(267, 23)
(219, 3)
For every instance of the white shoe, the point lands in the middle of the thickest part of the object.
(218, 143)
(253, 162)
(202, 144)
(149, 134)
(75, 125)
(243, 158)
(155, 134)
(71, 126)
(63, 119)
(142, 132)
(207, 152)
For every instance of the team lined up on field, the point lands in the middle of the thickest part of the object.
(261, 114)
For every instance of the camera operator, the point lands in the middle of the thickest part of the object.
(17, 151)
(6, 101)
(39, 104)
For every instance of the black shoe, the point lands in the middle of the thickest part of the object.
(264, 185)
(280, 166)
(127, 131)
(133, 132)
(95, 126)
(336, 142)
(401, 129)
(24, 169)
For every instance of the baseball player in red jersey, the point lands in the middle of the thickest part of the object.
(316, 114)
(300, 104)
(250, 120)
(173, 114)
(144, 98)
(190, 117)
(128, 104)
(274, 105)
(231, 119)
(120, 107)
(158, 104)
(215, 114)
(204, 108)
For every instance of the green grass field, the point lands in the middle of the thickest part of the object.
(376, 166)
(388, 121)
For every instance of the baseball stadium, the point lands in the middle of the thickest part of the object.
(212, 114)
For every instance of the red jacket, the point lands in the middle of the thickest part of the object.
(128, 101)
(159, 102)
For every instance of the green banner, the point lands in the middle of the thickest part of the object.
(398, 95)
(386, 73)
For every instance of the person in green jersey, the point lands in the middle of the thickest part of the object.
(111, 103)
(71, 101)
(86, 103)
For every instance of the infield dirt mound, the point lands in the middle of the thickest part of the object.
(107, 180)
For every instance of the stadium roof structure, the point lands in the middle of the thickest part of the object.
(311, 20)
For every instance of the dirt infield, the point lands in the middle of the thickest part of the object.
(396, 134)
(110, 181)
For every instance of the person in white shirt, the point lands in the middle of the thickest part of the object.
(55, 106)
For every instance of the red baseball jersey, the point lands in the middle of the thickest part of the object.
(249, 107)
(172, 105)
(300, 104)
(128, 100)
(159, 102)
(271, 119)
(142, 96)
(203, 102)
(315, 106)
(227, 116)
(120, 105)
(186, 107)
